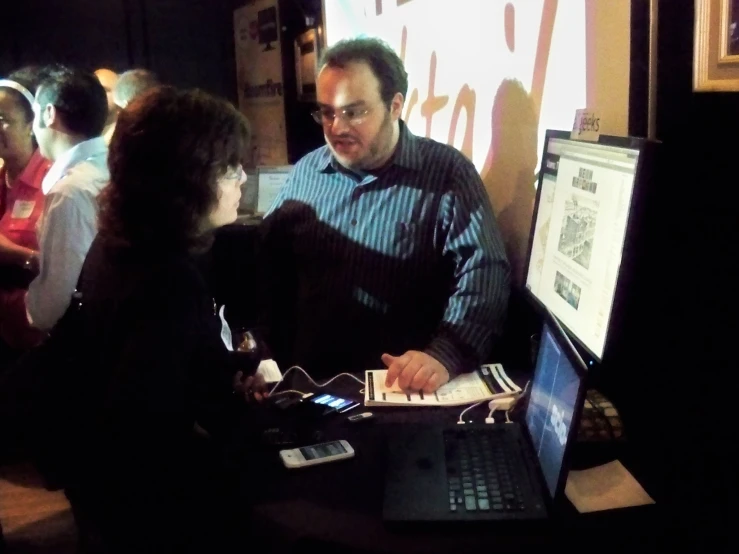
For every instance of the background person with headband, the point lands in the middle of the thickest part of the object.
(22, 168)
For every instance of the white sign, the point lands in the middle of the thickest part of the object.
(586, 126)
(259, 80)
(271, 182)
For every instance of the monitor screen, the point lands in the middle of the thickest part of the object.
(582, 210)
(555, 395)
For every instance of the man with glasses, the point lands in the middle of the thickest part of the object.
(70, 110)
(382, 248)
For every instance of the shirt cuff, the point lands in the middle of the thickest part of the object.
(449, 355)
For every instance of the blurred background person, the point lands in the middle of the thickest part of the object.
(69, 114)
(108, 78)
(21, 204)
(132, 83)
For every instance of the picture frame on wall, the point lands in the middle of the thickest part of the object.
(716, 46)
(307, 52)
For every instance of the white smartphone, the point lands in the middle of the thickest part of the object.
(316, 454)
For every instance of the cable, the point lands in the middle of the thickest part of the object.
(311, 379)
(287, 392)
(467, 409)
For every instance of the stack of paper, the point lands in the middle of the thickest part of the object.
(485, 383)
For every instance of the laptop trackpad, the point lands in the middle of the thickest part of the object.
(415, 461)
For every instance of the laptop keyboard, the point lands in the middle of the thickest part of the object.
(480, 475)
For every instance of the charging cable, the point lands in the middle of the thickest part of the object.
(506, 404)
(272, 391)
(460, 421)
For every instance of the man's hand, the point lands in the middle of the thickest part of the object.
(416, 371)
(252, 388)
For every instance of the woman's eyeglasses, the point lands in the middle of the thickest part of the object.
(235, 174)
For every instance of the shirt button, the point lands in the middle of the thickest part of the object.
(354, 221)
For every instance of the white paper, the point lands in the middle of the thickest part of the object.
(270, 371)
(467, 388)
(271, 181)
(605, 487)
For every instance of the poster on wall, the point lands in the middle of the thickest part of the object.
(259, 80)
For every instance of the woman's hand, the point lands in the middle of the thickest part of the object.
(252, 388)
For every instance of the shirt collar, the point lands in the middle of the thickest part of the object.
(35, 168)
(78, 153)
(407, 153)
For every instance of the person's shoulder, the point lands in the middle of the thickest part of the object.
(440, 152)
(84, 179)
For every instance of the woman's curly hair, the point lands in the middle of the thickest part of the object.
(166, 155)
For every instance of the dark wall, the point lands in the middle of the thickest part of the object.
(187, 43)
(303, 135)
(693, 356)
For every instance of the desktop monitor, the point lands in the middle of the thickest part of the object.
(583, 232)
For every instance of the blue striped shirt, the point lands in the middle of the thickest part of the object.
(407, 258)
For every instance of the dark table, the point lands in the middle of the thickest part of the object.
(337, 506)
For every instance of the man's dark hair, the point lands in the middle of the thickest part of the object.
(166, 155)
(79, 98)
(378, 55)
(131, 83)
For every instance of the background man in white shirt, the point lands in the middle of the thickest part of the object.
(70, 110)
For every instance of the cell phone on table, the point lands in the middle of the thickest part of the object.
(316, 454)
(332, 404)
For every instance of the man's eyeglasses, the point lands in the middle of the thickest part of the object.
(350, 116)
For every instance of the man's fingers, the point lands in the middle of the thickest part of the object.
(395, 368)
(421, 377)
(409, 372)
(432, 384)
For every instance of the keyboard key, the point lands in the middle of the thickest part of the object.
(483, 504)
(482, 494)
(452, 507)
(470, 504)
(497, 506)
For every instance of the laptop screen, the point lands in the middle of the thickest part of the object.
(549, 414)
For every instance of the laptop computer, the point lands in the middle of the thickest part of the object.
(485, 472)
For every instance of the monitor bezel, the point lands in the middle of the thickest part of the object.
(549, 320)
(615, 316)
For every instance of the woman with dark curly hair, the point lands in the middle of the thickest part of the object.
(159, 371)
